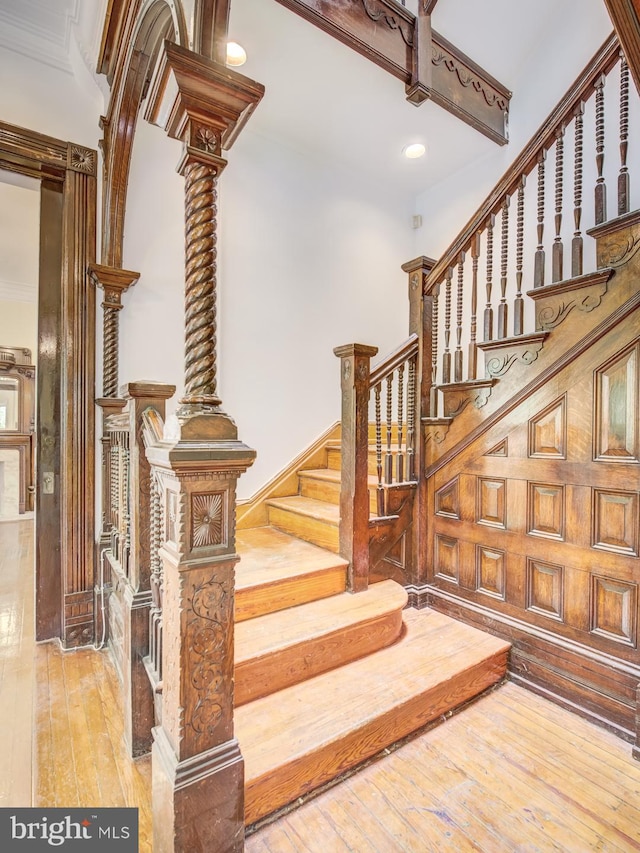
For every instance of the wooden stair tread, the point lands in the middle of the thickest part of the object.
(301, 737)
(284, 648)
(330, 475)
(310, 507)
(277, 571)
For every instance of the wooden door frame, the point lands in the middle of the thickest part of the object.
(65, 520)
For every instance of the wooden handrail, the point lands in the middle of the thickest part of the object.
(399, 355)
(602, 63)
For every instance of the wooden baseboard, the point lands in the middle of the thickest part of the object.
(589, 682)
(253, 512)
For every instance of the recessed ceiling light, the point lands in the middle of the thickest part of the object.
(236, 54)
(413, 151)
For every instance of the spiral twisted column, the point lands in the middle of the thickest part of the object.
(201, 171)
(110, 350)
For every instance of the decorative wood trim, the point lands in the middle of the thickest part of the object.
(566, 358)
(505, 352)
(555, 301)
(406, 46)
(603, 61)
(253, 511)
(211, 28)
(457, 395)
(66, 418)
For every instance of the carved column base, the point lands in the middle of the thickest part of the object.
(197, 802)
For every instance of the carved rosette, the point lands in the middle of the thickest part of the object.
(208, 519)
(81, 159)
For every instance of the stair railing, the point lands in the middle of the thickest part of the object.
(394, 382)
(503, 254)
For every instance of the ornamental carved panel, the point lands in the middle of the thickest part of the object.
(613, 609)
(492, 501)
(617, 412)
(209, 519)
(615, 521)
(490, 571)
(548, 432)
(446, 558)
(545, 589)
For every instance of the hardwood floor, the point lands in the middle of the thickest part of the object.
(512, 772)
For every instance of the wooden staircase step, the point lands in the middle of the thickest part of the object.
(285, 648)
(277, 571)
(309, 519)
(299, 738)
(334, 459)
(323, 484)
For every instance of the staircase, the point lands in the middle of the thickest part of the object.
(325, 679)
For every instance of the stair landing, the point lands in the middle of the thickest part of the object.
(299, 738)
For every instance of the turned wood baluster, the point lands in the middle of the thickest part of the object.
(472, 366)
(457, 364)
(539, 262)
(488, 311)
(126, 511)
(623, 177)
(411, 411)
(577, 242)
(388, 460)
(504, 258)
(400, 456)
(557, 250)
(601, 189)
(379, 487)
(446, 358)
(518, 307)
(433, 391)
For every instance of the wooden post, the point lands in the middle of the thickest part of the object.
(420, 323)
(197, 767)
(355, 362)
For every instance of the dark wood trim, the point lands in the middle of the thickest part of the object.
(404, 44)
(566, 358)
(211, 29)
(66, 378)
(625, 16)
(603, 61)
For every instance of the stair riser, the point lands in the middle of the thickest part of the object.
(329, 492)
(279, 595)
(313, 530)
(270, 673)
(266, 794)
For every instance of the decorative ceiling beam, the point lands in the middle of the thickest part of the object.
(625, 17)
(405, 45)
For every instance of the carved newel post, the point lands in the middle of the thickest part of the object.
(198, 770)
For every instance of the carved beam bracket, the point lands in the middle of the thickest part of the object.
(502, 354)
(617, 241)
(406, 46)
(435, 429)
(457, 395)
(554, 302)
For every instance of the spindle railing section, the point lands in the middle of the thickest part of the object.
(529, 233)
(394, 382)
(118, 515)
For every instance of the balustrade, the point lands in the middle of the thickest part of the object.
(533, 232)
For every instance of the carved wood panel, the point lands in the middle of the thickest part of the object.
(535, 531)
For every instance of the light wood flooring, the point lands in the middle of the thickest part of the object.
(511, 772)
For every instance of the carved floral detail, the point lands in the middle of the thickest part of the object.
(210, 607)
(466, 78)
(206, 139)
(171, 516)
(82, 160)
(207, 520)
(346, 370)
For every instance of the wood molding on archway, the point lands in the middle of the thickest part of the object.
(66, 379)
